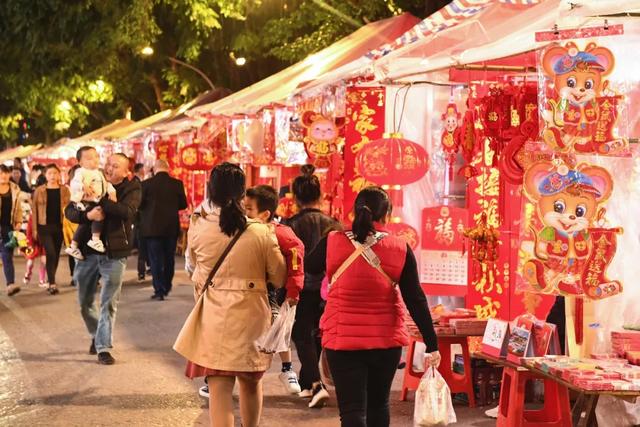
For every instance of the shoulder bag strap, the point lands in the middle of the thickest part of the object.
(359, 250)
(224, 255)
(371, 258)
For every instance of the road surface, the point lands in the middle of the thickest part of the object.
(48, 378)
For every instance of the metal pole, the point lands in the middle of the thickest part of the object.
(202, 74)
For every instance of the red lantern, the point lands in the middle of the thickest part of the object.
(392, 160)
(404, 231)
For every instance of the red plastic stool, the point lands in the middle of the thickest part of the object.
(555, 413)
(457, 383)
(411, 379)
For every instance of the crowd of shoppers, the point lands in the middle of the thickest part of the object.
(245, 263)
(361, 329)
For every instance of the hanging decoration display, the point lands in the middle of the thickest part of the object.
(484, 240)
(197, 156)
(467, 143)
(450, 139)
(580, 108)
(322, 137)
(365, 115)
(566, 247)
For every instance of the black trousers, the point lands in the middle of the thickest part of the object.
(557, 317)
(306, 337)
(143, 258)
(363, 382)
(162, 253)
(50, 237)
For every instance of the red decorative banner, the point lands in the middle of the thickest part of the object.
(364, 123)
(595, 283)
(495, 294)
(443, 263)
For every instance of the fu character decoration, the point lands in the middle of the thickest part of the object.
(450, 139)
(572, 248)
(581, 111)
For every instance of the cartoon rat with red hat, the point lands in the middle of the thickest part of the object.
(578, 79)
(568, 202)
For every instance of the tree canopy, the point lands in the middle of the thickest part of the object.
(69, 67)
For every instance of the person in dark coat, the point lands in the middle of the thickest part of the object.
(163, 197)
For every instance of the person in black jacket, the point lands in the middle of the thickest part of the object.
(163, 198)
(310, 225)
(118, 216)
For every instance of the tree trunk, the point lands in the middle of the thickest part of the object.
(158, 91)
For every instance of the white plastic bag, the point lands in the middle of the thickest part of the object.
(278, 337)
(433, 405)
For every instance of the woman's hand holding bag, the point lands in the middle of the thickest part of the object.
(433, 406)
(278, 337)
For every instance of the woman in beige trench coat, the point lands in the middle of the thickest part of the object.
(236, 309)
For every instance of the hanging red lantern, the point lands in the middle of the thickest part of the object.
(392, 160)
(405, 232)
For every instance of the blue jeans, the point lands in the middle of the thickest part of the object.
(7, 262)
(86, 275)
(162, 252)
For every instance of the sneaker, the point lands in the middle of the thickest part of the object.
(140, 278)
(26, 280)
(53, 290)
(492, 413)
(12, 289)
(289, 380)
(44, 285)
(204, 391)
(320, 396)
(305, 394)
(96, 245)
(74, 252)
(105, 358)
(92, 349)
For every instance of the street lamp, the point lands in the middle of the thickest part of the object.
(241, 61)
(148, 51)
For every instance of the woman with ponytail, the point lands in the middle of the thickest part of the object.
(310, 224)
(370, 273)
(234, 310)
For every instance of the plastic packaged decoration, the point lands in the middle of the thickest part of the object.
(582, 102)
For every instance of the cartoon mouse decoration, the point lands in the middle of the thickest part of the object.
(580, 117)
(570, 255)
(322, 136)
(450, 139)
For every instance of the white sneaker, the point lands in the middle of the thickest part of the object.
(44, 285)
(492, 413)
(289, 380)
(305, 394)
(320, 397)
(96, 245)
(204, 391)
(74, 252)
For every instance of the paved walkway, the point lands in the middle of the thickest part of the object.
(48, 378)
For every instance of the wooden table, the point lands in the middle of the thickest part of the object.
(587, 401)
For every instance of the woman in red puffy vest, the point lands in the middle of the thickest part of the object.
(363, 323)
